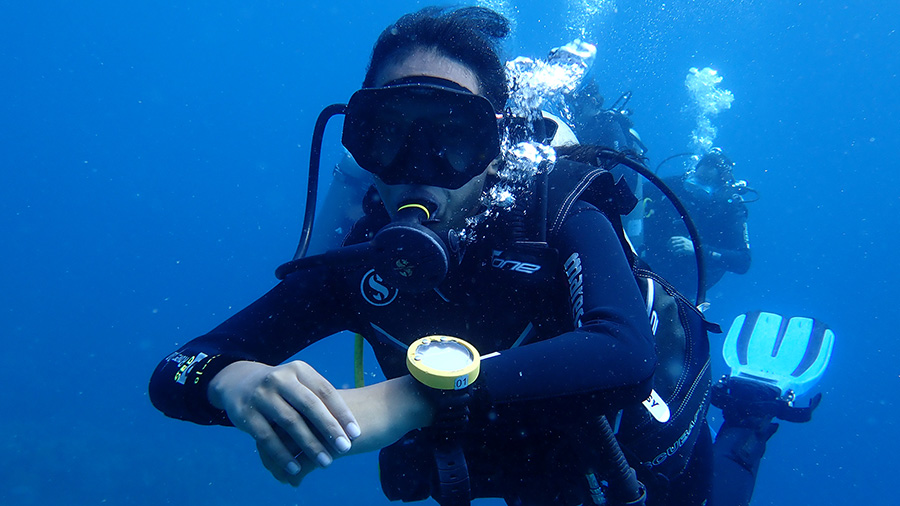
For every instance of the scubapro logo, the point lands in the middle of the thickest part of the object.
(375, 291)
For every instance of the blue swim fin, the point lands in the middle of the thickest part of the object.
(791, 354)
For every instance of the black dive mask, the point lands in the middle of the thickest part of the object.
(421, 130)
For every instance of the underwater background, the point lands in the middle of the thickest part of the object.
(153, 159)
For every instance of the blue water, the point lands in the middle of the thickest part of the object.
(152, 158)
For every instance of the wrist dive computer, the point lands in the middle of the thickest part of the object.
(447, 366)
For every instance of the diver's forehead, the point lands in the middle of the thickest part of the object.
(433, 64)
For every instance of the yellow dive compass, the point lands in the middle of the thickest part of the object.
(443, 362)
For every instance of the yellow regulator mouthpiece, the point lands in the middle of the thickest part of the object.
(443, 362)
(417, 206)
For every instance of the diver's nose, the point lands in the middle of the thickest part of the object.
(421, 153)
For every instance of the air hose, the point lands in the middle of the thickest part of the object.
(620, 158)
(622, 486)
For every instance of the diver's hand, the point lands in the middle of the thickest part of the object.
(288, 409)
(681, 246)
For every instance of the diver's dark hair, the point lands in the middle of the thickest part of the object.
(469, 35)
(593, 154)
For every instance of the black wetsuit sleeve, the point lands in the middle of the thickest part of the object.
(732, 252)
(610, 355)
(294, 314)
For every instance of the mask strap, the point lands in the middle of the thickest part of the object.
(428, 81)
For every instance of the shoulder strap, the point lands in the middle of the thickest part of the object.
(571, 181)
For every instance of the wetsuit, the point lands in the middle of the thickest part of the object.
(573, 338)
(721, 219)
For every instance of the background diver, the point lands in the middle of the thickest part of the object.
(716, 202)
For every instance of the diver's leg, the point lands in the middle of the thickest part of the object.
(773, 360)
(737, 453)
(748, 408)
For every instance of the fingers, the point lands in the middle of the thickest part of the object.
(305, 410)
(680, 245)
(294, 427)
(270, 463)
(305, 466)
(320, 403)
(276, 457)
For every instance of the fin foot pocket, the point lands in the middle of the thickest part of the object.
(791, 354)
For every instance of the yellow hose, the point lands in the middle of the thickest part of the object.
(358, 376)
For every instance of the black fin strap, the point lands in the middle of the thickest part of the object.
(798, 415)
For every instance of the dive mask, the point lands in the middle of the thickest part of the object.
(421, 130)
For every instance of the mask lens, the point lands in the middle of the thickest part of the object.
(421, 134)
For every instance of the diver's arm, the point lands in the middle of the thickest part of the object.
(291, 316)
(388, 410)
(301, 422)
(610, 355)
(737, 261)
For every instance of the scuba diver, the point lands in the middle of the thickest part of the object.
(611, 127)
(526, 358)
(716, 203)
